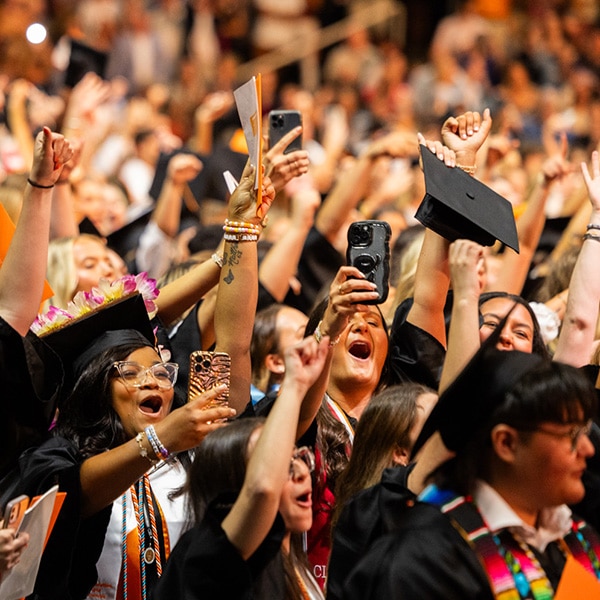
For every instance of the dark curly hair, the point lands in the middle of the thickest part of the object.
(87, 417)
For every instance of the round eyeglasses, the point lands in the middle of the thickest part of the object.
(305, 454)
(133, 374)
(573, 434)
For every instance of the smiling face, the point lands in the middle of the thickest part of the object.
(139, 407)
(92, 262)
(359, 357)
(517, 333)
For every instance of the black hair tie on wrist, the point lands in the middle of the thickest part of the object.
(39, 185)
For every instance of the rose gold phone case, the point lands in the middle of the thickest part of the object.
(207, 370)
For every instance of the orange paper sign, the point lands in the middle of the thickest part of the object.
(7, 230)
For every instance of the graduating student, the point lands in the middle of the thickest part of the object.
(495, 519)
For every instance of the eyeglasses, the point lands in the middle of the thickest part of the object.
(574, 434)
(305, 454)
(134, 375)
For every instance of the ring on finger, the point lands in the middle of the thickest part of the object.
(340, 290)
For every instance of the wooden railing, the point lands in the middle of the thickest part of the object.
(388, 15)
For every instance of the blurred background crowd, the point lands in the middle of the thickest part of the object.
(357, 70)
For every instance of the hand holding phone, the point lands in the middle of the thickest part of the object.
(14, 512)
(282, 122)
(369, 251)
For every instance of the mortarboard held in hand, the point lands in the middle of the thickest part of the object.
(457, 205)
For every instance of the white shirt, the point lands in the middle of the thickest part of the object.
(553, 523)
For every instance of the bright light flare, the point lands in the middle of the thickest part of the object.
(36, 33)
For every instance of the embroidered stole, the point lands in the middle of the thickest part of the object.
(512, 568)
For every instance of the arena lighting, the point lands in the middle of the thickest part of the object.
(36, 33)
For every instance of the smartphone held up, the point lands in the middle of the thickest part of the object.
(369, 251)
(281, 122)
(208, 370)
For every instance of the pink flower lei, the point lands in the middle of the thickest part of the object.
(84, 303)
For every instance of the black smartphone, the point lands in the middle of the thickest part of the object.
(369, 251)
(282, 122)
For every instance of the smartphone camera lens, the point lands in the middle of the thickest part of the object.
(361, 236)
(277, 120)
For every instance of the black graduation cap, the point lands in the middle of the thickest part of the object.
(86, 226)
(457, 205)
(124, 241)
(84, 59)
(78, 341)
(472, 397)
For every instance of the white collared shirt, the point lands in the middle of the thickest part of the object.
(553, 523)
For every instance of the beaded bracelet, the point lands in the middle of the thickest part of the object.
(160, 451)
(593, 226)
(466, 169)
(319, 335)
(152, 442)
(589, 236)
(241, 227)
(39, 185)
(241, 223)
(139, 438)
(240, 237)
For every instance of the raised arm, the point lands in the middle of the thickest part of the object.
(253, 513)
(280, 263)
(342, 303)
(462, 137)
(152, 254)
(237, 294)
(24, 268)
(352, 186)
(466, 260)
(530, 224)
(579, 324)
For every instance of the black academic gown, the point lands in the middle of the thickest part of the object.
(367, 516)
(204, 564)
(424, 559)
(68, 567)
(31, 376)
(414, 354)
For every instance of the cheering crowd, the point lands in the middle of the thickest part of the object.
(437, 442)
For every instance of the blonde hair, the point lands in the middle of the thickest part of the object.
(408, 269)
(61, 272)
